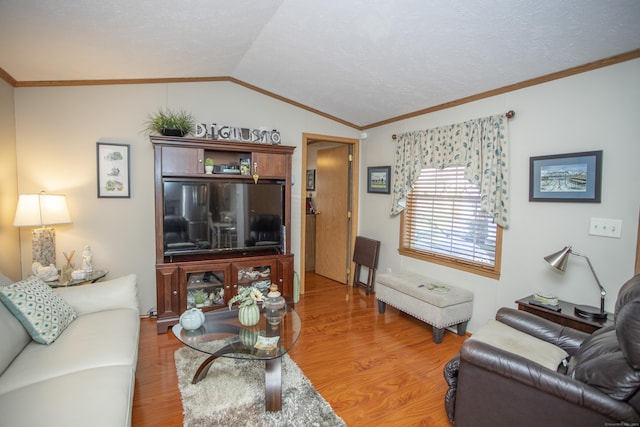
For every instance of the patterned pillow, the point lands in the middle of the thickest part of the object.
(40, 310)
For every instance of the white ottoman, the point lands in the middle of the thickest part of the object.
(437, 304)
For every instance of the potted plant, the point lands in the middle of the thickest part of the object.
(171, 123)
(208, 165)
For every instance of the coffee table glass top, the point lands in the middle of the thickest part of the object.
(224, 336)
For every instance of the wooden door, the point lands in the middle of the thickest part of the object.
(332, 195)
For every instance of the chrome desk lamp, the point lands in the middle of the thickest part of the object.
(559, 260)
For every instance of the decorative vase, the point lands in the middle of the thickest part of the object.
(249, 315)
(248, 337)
(274, 305)
(208, 169)
(192, 319)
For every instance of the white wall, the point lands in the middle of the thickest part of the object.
(598, 110)
(57, 130)
(9, 235)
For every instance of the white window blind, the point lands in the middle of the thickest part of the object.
(443, 218)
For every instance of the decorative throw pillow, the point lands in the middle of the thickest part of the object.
(40, 310)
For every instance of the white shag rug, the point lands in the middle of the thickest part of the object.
(232, 395)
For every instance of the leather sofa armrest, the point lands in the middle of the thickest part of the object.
(568, 339)
(119, 293)
(542, 380)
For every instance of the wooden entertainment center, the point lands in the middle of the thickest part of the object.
(208, 278)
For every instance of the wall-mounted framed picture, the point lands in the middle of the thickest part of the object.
(113, 170)
(573, 177)
(311, 179)
(378, 178)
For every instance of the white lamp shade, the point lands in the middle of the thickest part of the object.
(41, 209)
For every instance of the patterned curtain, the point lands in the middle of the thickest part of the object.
(479, 145)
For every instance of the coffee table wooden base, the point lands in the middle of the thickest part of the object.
(272, 378)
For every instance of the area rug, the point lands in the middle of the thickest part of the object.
(232, 395)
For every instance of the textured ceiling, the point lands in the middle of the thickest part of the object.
(362, 61)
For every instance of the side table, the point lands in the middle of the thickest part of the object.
(565, 316)
(92, 277)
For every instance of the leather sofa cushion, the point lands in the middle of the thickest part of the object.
(105, 338)
(601, 363)
(628, 320)
(13, 337)
(509, 339)
(97, 397)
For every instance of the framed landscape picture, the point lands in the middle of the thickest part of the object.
(113, 170)
(378, 178)
(574, 177)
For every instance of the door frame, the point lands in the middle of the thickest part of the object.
(308, 138)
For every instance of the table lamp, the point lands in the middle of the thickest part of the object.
(40, 210)
(559, 260)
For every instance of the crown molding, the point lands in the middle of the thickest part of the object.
(612, 60)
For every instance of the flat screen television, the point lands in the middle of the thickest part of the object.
(206, 216)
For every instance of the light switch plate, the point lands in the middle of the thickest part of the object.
(606, 227)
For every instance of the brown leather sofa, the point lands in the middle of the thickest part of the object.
(600, 386)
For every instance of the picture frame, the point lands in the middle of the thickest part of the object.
(572, 177)
(113, 170)
(378, 179)
(311, 179)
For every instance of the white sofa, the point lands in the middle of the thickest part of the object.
(86, 376)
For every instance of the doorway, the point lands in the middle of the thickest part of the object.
(348, 240)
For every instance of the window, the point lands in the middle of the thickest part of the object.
(443, 223)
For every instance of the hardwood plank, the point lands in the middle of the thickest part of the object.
(373, 369)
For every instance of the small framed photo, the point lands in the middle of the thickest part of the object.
(378, 178)
(113, 170)
(311, 179)
(574, 177)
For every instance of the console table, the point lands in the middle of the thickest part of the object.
(566, 316)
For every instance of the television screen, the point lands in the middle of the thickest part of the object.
(203, 216)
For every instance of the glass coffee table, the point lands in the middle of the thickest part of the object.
(222, 335)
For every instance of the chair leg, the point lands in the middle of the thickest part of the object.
(462, 328)
(370, 282)
(438, 333)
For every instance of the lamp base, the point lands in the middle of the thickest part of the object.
(590, 312)
(43, 245)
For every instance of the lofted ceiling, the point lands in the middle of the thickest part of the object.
(361, 61)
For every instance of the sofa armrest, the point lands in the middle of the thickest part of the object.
(534, 380)
(566, 338)
(120, 293)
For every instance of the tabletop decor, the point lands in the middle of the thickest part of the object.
(247, 299)
(171, 123)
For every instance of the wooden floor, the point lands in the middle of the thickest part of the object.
(374, 369)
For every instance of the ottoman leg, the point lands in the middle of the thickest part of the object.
(462, 328)
(382, 306)
(438, 333)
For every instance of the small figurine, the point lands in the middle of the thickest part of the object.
(48, 273)
(87, 257)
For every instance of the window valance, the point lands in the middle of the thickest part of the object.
(479, 145)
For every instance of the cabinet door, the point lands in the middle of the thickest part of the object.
(168, 290)
(269, 165)
(182, 161)
(285, 276)
(205, 286)
(258, 274)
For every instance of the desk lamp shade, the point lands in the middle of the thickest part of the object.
(559, 261)
(40, 210)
